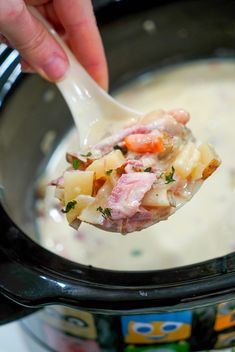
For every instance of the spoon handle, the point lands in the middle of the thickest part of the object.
(87, 101)
(77, 87)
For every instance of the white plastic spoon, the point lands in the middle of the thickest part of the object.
(93, 110)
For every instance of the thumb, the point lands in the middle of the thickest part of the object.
(29, 36)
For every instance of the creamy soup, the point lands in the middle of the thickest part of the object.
(205, 227)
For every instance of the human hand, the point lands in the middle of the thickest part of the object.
(74, 20)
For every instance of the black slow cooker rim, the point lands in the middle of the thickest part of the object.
(33, 276)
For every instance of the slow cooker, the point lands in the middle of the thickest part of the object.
(72, 307)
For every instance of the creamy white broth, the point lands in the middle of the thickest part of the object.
(202, 229)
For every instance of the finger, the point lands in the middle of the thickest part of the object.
(51, 14)
(25, 67)
(79, 22)
(48, 12)
(31, 38)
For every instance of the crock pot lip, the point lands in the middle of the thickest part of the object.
(31, 282)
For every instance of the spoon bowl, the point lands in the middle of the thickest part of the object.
(94, 111)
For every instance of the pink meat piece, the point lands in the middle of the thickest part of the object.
(108, 143)
(165, 123)
(131, 164)
(142, 219)
(180, 115)
(127, 194)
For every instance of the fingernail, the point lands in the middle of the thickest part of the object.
(55, 68)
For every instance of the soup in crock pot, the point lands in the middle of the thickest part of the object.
(201, 230)
(136, 177)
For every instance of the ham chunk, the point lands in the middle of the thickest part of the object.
(167, 123)
(180, 115)
(127, 194)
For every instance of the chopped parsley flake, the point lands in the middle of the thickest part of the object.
(169, 177)
(123, 149)
(148, 169)
(69, 206)
(108, 172)
(76, 164)
(87, 155)
(136, 252)
(106, 212)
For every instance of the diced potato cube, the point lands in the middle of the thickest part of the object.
(76, 183)
(82, 203)
(186, 160)
(156, 198)
(59, 194)
(207, 153)
(197, 171)
(97, 167)
(91, 215)
(209, 161)
(110, 161)
(114, 160)
(103, 193)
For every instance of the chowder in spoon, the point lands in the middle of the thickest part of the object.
(136, 177)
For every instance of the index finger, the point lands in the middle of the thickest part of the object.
(83, 35)
(29, 36)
